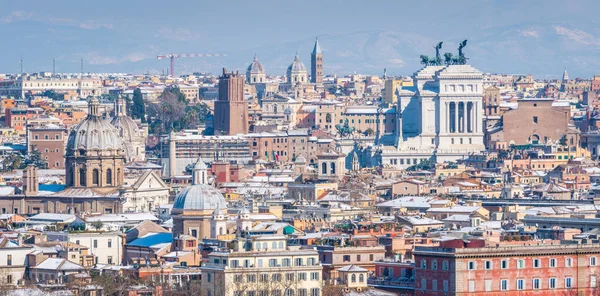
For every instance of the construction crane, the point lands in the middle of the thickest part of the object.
(174, 56)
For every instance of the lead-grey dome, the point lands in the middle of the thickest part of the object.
(94, 133)
(296, 66)
(199, 197)
(255, 67)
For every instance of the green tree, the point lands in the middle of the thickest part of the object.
(12, 162)
(138, 110)
(34, 157)
(53, 95)
(174, 89)
(427, 164)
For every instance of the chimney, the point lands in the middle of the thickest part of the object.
(30, 181)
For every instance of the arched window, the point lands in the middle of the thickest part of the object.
(220, 230)
(324, 168)
(81, 177)
(281, 245)
(109, 177)
(275, 108)
(95, 177)
(353, 278)
(361, 278)
(274, 245)
(328, 117)
(333, 168)
(265, 246)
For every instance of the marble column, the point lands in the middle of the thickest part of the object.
(456, 124)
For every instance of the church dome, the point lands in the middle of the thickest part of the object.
(199, 197)
(255, 67)
(94, 133)
(296, 66)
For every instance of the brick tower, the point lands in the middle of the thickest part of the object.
(316, 64)
(231, 110)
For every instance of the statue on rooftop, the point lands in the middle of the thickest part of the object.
(450, 59)
(461, 55)
(433, 61)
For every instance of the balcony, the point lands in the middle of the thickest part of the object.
(394, 283)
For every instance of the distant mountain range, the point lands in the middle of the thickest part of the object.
(543, 50)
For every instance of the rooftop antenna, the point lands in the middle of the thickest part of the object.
(82, 67)
(21, 62)
(53, 67)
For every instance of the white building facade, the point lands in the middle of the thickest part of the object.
(440, 118)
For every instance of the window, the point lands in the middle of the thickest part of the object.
(520, 284)
(536, 284)
(315, 292)
(286, 262)
(536, 263)
(361, 278)
(423, 264)
(209, 278)
(314, 276)
(8, 260)
(552, 262)
(568, 282)
(593, 281)
(346, 258)
(504, 264)
(353, 278)
(471, 285)
(592, 261)
(95, 243)
(444, 265)
(434, 265)
(488, 265)
(568, 262)
(300, 262)
(302, 276)
(472, 265)
(110, 243)
(259, 263)
(95, 177)
(251, 278)
(289, 276)
(264, 277)
(109, 260)
(445, 286)
(488, 285)
(520, 264)
(504, 285)
(276, 277)
(423, 284)
(109, 176)
(272, 262)
(552, 283)
(358, 258)
(234, 263)
(535, 119)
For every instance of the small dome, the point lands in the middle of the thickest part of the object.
(297, 65)
(199, 197)
(94, 133)
(255, 67)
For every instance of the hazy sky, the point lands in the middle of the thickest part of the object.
(538, 37)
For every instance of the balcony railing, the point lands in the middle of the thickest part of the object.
(404, 283)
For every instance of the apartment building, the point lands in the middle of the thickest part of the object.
(456, 268)
(261, 266)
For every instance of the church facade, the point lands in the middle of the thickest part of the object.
(439, 119)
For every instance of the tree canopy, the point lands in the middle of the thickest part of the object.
(138, 108)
